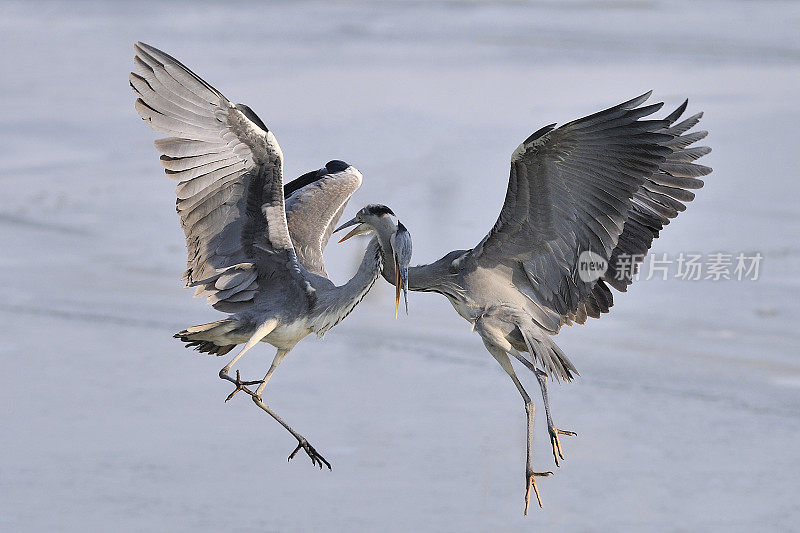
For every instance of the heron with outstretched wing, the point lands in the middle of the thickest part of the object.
(254, 246)
(604, 185)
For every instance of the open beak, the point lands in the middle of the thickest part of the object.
(358, 230)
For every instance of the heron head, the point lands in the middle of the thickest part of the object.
(368, 219)
(382, 220)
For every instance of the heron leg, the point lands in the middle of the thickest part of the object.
(302, 443)
(262, 331)
(551, 428)
(530, 476)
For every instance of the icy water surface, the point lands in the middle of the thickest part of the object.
(688, 404)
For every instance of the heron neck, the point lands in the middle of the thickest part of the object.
(335, 304)
(433, 277)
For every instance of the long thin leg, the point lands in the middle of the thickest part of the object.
(302, 443)
(278, 359)
(530, 476)
(551, 428)
(262, 331)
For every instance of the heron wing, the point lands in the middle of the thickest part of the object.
(228, 166)
(570, 191)
(314, 205)
(661, 197)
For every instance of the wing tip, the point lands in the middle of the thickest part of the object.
(636, 102)
(675, 115)
(140, 46)
(541, 132)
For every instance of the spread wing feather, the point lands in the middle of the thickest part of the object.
(658, 200)
(606, 183)
(230, 185)
(313, 210)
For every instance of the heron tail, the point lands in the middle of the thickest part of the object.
(210, 338)
(543, 350)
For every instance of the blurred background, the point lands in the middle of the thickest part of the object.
(688, 405)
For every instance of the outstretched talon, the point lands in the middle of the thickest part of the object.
(316, 458)
(240, 385)
(530, 482)
(556, 443)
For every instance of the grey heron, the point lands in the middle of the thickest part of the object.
(604, 184)
(254, 246)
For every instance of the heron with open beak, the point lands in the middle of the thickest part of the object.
(393, 238)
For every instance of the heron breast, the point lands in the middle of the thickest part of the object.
(285, 336)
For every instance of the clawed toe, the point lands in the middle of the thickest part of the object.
(240, 385)
(556, 443)
(530, 482)
(316, 458)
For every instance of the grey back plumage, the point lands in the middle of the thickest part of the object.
(229, 170)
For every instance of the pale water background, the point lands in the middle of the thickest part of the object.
(688, 404)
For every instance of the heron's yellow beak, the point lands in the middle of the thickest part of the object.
(397, 286)
(358, 230)
(353, 232)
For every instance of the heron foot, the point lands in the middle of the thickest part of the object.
(530, 483)
(240, 385)
(556, 443)
(316, 458)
